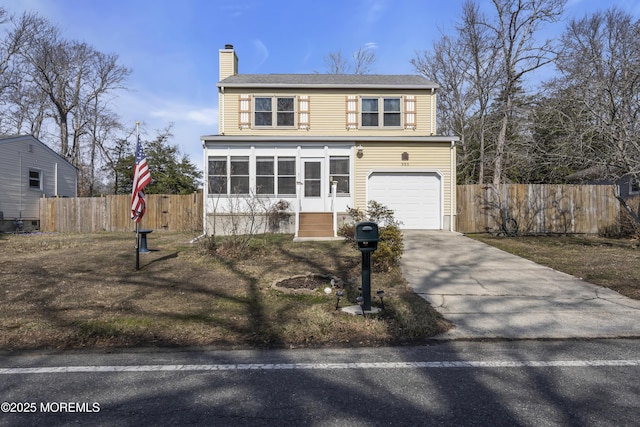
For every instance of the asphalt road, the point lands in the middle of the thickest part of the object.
(529, 383)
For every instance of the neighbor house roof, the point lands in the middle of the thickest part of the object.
(338, 81)
(6, 139)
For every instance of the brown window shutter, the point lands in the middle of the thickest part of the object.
(303, 112)
(244, 112)
(410, 112)
(352, 112)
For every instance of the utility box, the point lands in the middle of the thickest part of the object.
(367, 237)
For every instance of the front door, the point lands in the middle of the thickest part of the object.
(313, 185)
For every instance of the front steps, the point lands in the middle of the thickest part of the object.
(315, 225)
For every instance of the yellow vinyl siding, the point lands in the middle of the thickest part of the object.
(327, 114)
(228, 64)
(424, 155)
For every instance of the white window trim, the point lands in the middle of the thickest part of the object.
(39, 172)
(274, 112)
(381, 112)
(253, 191)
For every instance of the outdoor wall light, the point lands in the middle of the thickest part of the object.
(359, 150)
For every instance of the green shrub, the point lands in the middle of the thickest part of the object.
(390, 246)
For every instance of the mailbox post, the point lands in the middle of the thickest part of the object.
(367, 237)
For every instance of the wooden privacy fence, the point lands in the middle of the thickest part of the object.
(113, 213)
(538, 208)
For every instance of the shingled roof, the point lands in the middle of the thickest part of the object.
(370, 81)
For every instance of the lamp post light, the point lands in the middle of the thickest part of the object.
(380, 294)
(339, 295)
(360, 301)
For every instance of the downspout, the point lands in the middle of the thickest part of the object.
(20, 180)
(205, 192)
(221, 110)
(298, 204)
(453, 201)
(334, 209)
(433, 111)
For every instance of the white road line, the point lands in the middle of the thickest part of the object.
(319, 366)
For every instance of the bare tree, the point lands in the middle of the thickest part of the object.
(361, 62)
(446, 65)
(335, 63)
(73, 76)
(514, 28)
(592, 116)
(482, 67)
(465, 66)
(70, 84)
(14, 88)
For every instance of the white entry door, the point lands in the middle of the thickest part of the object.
(313, 185)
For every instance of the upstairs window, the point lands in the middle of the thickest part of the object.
(285, 112)
(370, 112)
(381, 112)
(391, 112)
(264, 111)
(283, 115)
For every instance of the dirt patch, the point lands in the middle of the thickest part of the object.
(310, 282)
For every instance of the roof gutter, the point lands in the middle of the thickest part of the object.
(323, 138)
(326, 86)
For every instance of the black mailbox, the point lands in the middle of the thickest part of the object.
(367, 236)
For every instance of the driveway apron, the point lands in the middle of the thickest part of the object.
(488, 293)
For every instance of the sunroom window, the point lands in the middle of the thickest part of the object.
(234, 175)
(339, 171)
(217, 175)
(286, 175)
(264, 175)
(239, 175)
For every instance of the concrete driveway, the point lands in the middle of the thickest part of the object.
(488, 293)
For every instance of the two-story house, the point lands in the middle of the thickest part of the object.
(325, 142)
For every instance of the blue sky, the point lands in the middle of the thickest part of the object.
(172, 46)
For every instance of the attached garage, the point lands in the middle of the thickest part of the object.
(416, 197)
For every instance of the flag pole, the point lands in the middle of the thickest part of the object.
(137, 222)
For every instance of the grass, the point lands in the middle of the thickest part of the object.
(71, 291)
(613, 263)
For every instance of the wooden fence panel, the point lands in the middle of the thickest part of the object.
(538, 208)
(113, 213)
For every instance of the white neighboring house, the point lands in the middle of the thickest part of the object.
(29, 170)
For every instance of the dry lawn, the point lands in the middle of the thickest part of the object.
(613, 263)
(82, 291)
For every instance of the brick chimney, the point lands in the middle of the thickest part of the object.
(228, 62)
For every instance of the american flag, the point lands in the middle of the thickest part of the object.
(141, 178)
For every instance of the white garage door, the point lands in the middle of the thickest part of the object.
(414, 196)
